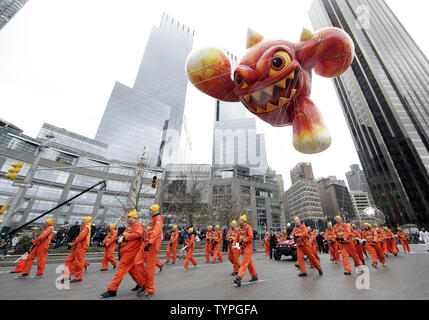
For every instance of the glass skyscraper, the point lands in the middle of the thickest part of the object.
(385, 99)
(8, 8)
(151, 113)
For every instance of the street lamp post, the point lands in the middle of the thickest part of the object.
(18, 199)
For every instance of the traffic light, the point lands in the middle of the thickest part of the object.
(3, 208)
(16, 167)
(154, 181)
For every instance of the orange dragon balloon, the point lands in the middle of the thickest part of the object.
(273, 80)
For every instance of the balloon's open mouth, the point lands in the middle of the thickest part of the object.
(273, 97)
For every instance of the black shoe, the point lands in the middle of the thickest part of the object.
(374, 265)
(234, 273)
(395, 254)
(160, 268)
(173, 263)
(255, 278)
(302, 275)
(363, 262)
(108, 294)
(136, 288)
(144, 294)
(237, 281)
(86, 268)
(347, 273)
(297, 266)
(114, 267)
(320, 272)
(74, 280)
(104, 270)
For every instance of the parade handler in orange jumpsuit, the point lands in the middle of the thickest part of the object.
(75, 261)
(209, 243)
(390, 241)
(313, 241)
(404, 238)
(332, 244)
(343, 237)
(234, 254)
(40, 250)
(217, 240)
(373, 245)
(355, 242)
(189, 247)
(244, 238)
(172, 245)
(110, 245)
(267, 243)
(129, 246)
(148, 254)
(301, 236)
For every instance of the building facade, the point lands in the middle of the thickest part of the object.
(335, 199)
(385, 99)
(357, 181)
(8, 8)
(301, 171)
(151, 113)
(70, 164)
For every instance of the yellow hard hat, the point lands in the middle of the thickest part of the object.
(353, 225)
(243, 217)
(191, 229)
(174, 227)
(308, 228)
(112, 226)
(267, 232)
(234, 222)
(367, 224)
(87, 218)
(330, 223)
(1, 221)
(154, 208)
(133, 214)
(50, 221)
(296, 219)
(217, 227)
(284, 230)
(375, 225)
(322, 233)
(338, 218)
(210, 227)
(399, 228)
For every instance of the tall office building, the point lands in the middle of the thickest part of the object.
(235, 141)
(151, 113)
(357, 181)
(8, 8)
(301, 171)
(385, 99)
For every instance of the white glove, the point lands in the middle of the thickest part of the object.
(237, 246)
(120, 239)
(184, 248)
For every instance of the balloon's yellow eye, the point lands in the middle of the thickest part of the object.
(281, 60)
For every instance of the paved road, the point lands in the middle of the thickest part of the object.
(405, 277)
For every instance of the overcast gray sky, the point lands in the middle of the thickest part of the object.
(59, 61)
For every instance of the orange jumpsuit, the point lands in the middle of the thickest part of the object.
(245, 235)
(357, 234)
(75, 261)
(282, 237)
(190, 243)
(40, 251)
(129, 248)
(314, 245)
(391, 242)
(404, 238)
(146, 261)
(332, 245)
(382, 239)
(110, 245)
(267, 244)
(172, 246)
(304, 248)
(233, 254)
(342, 230)
(217, 238)
(374, 246)
(209, 245)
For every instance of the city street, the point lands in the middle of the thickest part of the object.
(406, 277)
